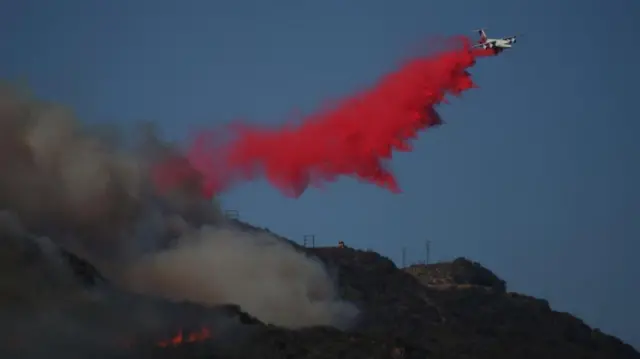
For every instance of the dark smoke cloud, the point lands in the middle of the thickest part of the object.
(64, 186)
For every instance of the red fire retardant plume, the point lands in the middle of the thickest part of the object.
(352, 139)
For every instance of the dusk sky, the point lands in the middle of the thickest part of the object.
(532, 175)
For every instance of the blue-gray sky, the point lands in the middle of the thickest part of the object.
(533, 174)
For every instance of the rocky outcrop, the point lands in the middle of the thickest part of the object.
(460, 273)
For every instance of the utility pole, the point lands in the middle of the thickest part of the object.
(232, 214)
(404, 257)
(428, 251)
(309, 239)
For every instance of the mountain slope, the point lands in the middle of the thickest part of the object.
(470, 314)
(445, 310)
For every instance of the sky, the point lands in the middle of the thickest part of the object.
(532, 175)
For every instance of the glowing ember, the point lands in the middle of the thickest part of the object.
(180, 338)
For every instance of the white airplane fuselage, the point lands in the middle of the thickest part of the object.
(504, 43)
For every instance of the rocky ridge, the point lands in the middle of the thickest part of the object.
(445, 310)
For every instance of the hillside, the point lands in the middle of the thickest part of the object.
(468, 313)
(445, 310)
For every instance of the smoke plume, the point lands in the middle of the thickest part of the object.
(64, 185)
(262, 274)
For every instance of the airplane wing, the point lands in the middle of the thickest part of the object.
(512, 37)
(484, 45)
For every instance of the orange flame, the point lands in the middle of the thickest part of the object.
(180, 338)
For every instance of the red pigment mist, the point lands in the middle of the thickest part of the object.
(354, 138)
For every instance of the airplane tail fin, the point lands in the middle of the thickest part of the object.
(482, 33)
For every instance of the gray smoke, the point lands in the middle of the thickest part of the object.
(65, 186)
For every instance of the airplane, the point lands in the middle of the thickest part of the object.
(497, 45)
